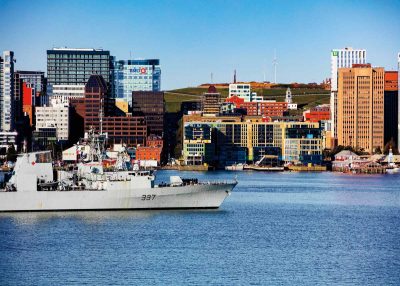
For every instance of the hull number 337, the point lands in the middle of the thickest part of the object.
(148, 197)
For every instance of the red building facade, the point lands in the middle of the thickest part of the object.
(317, 114)
(261, 108)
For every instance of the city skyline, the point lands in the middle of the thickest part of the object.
(194, 39)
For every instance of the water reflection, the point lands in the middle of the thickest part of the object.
(91, 217)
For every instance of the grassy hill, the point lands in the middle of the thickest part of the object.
(305, 98)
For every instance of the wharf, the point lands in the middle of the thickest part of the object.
(200, 168)
(307, 168)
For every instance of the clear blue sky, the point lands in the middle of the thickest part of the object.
(194, 38)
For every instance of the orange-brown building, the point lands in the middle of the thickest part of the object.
(28, 95)
(361, 107)
(144, 153)
(391, 81)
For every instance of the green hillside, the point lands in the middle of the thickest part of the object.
(305, 98)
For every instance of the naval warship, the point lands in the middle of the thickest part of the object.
(36, 186)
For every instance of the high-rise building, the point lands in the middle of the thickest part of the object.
(342, 58)
(69, 69)
(135, 75)
(150, 104)
(29, 91)
(391, 107)
(360, 108)
(67, 66)
(131, 130)
(7, 116)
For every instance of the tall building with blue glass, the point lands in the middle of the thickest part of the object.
(135, 75)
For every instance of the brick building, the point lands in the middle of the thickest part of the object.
(131, 130)
(150, 105)
(318, 113)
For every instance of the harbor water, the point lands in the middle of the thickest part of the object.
(275, 229)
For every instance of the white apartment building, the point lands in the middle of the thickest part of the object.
(243, 90)
(7, 116)
(54, 116)
(342, 58)
(61, 94)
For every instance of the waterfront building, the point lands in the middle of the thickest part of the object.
(210, 142)
(135, 75)
(150, 104)
(54, 117)
(149, 153)
(197, 148)
(360, 108)
(341, 58)
(391, 104)
(7, 111)
(211, 101)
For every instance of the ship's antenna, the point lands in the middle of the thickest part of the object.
(101, 116)
(275, 63)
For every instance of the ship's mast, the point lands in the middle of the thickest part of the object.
(101, 116)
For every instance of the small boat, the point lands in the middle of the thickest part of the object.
(235, 167)
(392, 168)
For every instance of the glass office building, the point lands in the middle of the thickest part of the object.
(135, 75)
(74, 66)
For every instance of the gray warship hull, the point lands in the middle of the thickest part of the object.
(177, 197)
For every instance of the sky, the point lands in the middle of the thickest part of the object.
(193, 39)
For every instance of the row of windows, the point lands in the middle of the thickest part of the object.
(77, 56)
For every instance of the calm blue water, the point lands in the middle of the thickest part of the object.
(275, 229)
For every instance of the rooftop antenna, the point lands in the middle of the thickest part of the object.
(212, 80)
(234, 76)
(275, 63)
(130, 55)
